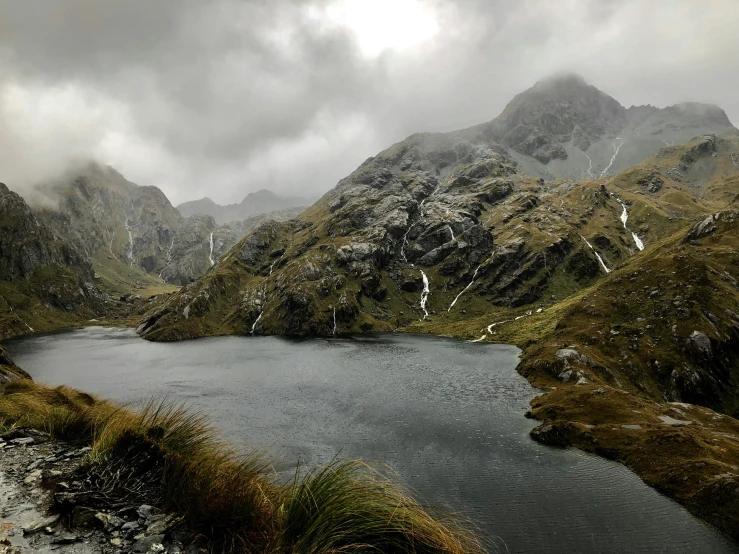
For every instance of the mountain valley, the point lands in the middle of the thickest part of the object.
(602, 240)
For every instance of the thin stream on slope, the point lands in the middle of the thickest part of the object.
(169, 257)
(613, 159)
(425, 293)
(210, 256)
(130, 243)
(426, 286)
(602, 263)
(474, 276)
(624, 219)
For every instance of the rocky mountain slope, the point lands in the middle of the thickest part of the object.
(260, 202)
(115, 221)
(438, 224)
(42, 276)
(564, 128)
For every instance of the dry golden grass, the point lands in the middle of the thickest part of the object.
(346, 506)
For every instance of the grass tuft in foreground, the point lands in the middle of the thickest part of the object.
(165, 455)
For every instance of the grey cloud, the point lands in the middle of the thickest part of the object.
(224, 97)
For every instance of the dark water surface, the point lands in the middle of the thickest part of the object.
(447, 415)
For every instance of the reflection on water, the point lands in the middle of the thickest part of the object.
(446, 415)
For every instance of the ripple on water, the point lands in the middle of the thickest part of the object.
(448, 417)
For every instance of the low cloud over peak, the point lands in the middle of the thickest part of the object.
(231, 96)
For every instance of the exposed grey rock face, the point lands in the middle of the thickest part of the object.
(563, 127)
(701, 343)
(5, 358)
(55, 271)
(561, 107)
(417, 220)
(26, 243)
(702, 229)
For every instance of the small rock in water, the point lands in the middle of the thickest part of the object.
(549, 434)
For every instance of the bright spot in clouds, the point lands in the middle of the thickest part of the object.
(380, 25)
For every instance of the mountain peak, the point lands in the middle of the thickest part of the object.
(560, 108)
(564, 78)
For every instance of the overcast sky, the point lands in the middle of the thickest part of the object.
(219, 98)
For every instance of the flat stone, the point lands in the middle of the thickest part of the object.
(161, 526)
(147, 544)
(33, 476)
(130, 527)
(634, 427)
(66, 539)
(39, 525)
(667, 420)
(115, 522)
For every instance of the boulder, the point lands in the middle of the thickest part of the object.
(651, 183)
(550, 434)
(701, 344)
(702, 229)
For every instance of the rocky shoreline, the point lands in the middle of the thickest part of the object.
(48, 505)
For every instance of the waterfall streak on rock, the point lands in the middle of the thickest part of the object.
(602, 263)
(422, 214)
(465, 288)
(624, 219)
(169, 258)
(425, 293)
(613, 159)
(590, 164)
(130, 243)
(254, 325)
(210, 256)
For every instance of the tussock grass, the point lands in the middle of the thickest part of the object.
(176, 458)
(348, 506)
